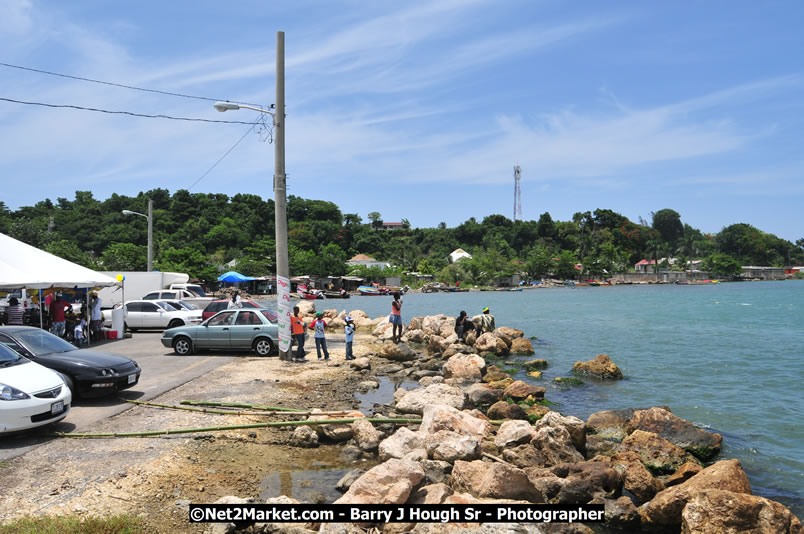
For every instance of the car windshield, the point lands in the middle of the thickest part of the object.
(186, 305)
(197, 290)
(175, 305)
(9, 357)
(165, 306)
(41, 343)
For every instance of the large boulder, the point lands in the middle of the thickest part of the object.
(438, 417)
(388, 483)
(416, 400)
(600, 367)
(449, 446)
(658, 454)
(520, 390)
(432, 324)
(400, 352)
(703, 445)
(333, 431)
(495, 480)
(431, 494)
(464, 368)
(637, 479)
(715, 511)
(437, 344)
(414, 336)
(502, 410)
(494, 374)
(365, 435)
(554, 445)
(664, 510)
(415, 323)
(683, 474)
(511, 333)
(515, 432)
(491, 343)
(621, 514)
(520, 345)
(483, 395)
(610, 424)
(306, 308)
(400, 443)
(574, 426)
(584, 480)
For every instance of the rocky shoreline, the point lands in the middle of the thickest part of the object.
(487, 438)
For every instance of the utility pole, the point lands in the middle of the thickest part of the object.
(150, 235)
(280, 204)
(517, 194)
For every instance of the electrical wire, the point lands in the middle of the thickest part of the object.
(224, 155)
(131, 113)
(168, 93)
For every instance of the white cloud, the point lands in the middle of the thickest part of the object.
(15, 17)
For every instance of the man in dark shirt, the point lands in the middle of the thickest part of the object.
(57, 321)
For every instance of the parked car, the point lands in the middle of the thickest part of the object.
(178, 294)
(180, 305)
(30, 395)
(218, 305)
(153, 314)
(87, 372)
(235, 329)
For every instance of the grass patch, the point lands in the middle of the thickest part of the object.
(534, 338)
(532, 418)
(546, 402)
(511, 371)
(70, 524)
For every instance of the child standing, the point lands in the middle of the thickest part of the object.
(349, 330)
(320, 338)
(396, 317)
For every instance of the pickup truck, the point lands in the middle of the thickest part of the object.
(179, 294)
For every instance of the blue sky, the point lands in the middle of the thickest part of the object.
(420, 110)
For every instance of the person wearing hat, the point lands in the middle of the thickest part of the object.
(320, 338)
(14, 311)
(349, 330)
(95, 317)
(487, 321)
(297, 330)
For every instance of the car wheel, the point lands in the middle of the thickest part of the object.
(182, 346)
(126, 327)
(175, 322)
(263, 346)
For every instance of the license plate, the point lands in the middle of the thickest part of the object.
(57, 407)
(132, 378)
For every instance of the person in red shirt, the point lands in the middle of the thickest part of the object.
(57, 321)
(297, 331)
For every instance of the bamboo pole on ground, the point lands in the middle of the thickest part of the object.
(240, 405)
(235, 412)
(379, 420)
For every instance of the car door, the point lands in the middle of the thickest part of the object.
(216, 333)
(247, 326)
(134, 317)
(152, 315)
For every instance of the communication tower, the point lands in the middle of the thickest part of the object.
(517, 194)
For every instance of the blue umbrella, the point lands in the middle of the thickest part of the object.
(232, 276)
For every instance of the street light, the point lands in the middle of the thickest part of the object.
(150, 218)
(280, 195)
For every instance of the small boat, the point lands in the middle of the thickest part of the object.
(371, 291)
(336, 295)
(569, 283)
(309, 294)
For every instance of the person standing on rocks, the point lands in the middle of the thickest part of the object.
(396, 317)
(320, 337)
(487, 321)
(349, 330)
(297, 330)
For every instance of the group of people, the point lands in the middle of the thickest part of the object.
(298, 329)
(58, 311)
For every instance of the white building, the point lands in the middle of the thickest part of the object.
(367, 261)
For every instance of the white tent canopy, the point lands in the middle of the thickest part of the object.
(25, 266)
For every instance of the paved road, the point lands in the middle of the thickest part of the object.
(161, 371)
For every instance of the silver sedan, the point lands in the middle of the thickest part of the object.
(236, 329)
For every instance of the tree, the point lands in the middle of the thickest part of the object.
(124, 257)
(187, 260)
(668, 223)
(539, 263)
(376, 219)
(70, 252)
(564, 265)
(719, 264)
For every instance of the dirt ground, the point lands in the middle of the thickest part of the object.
(157, 478)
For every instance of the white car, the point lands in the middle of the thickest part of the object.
(30, 395)
(154, 314)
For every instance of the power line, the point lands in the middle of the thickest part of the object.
(168, 93)
(131, 113)
(225, 154)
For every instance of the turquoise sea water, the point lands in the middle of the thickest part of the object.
(729, 357)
